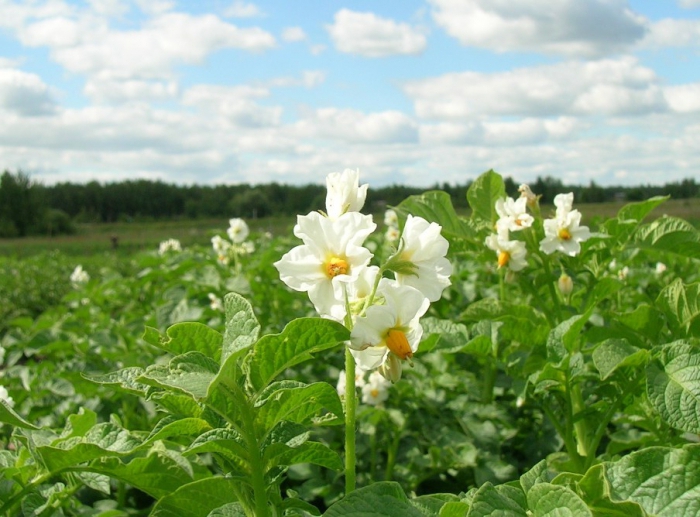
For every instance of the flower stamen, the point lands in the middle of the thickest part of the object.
(337, 266)
(503, 258)
(564, 234)
(397, 342)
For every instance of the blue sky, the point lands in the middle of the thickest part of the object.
(411, 92)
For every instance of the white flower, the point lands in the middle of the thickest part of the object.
(622, 274)
(422, 245)
(526, 193)
(247, 248)
(344, 193)
(4, 395)
(331, 257)
(169, 245)
(221, 247)
(238, 230)
(389, 333)
(391, 218)
(563, 232)
(79, 276)
(215, 302)
(392, 234)
(342, 380)
(510, 253)
(660, 268)
(513, 214)
(376, 390)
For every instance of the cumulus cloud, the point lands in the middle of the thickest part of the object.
(369, 35)
(240, 9)
(683, 98)
(592, 28)
(689, 4)
(117, 91)
(355, 126)
(672, 33)
(607, 87)
(293, 34)
(236, 104)
(24, 94)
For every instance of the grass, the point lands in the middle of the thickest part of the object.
(134, 236)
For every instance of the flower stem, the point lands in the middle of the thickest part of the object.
(350, 408)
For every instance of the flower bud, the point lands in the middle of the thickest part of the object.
(565, 284)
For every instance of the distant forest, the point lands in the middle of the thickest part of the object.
(28, 207)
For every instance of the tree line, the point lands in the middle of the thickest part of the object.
(29, 207)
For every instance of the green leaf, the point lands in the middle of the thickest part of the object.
(644, 319)
(617, 353)
(454, 509)
(436, 207)
(125, 379)
(228, 510)
(540, 473)
(444, 335)
(637, 211)
(547, 500)
(227, 443)
(172, 426)
(665, 482)
(482, 196)
(602, 290)
(187, 337)
(242, 327)
(681, 304)
(595, 491)
(563, 337)
(383, 498)
(492, 500)
(297, 343)
(191, 373)
(197, 499)
(430, 505)
(669, 234)
(310, 452)
(158, 474)
(522, 323)
(9, 416)
(673, 385)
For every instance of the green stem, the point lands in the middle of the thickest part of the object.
(391, 455)
(350, 409)
(581, 426)
(257, 468)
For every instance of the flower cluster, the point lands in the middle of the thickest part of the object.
(391, 221)
(563, 232)
(228, 251)
(170, 245)
(79, 276)
(375, 389)
(333, 267)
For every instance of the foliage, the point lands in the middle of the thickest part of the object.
(133, 393)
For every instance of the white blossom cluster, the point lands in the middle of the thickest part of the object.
(79, 276)
(562, 233)
(333, 267)
(168, 246)
(237, 245)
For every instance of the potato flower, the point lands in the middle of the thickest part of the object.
(389, 333)
(513, 214)
(238, 230)
(169, 245)
(528, 195)
(342, 381)
(344, 193)
(4, 395)
(79, 276)
(423, 246)
(391, 218)
(331, 257)
(510, 253)
(375, 390)
(563, 232)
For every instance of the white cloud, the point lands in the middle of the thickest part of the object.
(683, 98)
(236, 104)
(24, 94)
(672, 33)
(587, 28)
(293, 34)
(109, 7)
(689, 4)
(155, 6)
(308, 79)
(355, 126)
(240, 9)
(369, 35)
(87, 46)
(116, 91)
(609, 87)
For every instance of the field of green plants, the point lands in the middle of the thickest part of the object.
(514, 362)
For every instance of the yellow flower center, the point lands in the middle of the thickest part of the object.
(396, 342)
(337, 266)
(564, 234)
(374, 393)
(503, 258)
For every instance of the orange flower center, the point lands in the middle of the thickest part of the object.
(503, 258)
(396, 342)
(374, 393)
(337, 266)
(564, 234)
